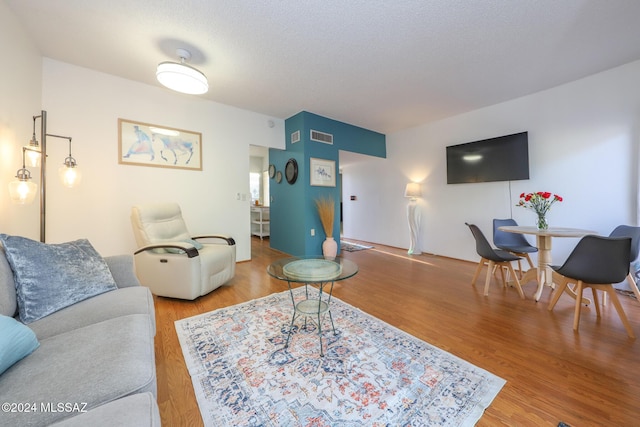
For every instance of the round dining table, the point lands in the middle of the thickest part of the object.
(542, 273)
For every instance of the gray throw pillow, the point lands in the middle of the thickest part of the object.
(50, 277)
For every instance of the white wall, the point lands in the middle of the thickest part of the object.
(20, 91)
(86, 105)
(583, 145)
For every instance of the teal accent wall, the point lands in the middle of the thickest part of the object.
(293, 211)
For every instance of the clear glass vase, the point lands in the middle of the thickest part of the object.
(542, 222)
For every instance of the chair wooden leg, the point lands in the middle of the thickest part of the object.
(515, 277)
(634, 286)
(520, 269)
(480, 265)
(526, 255)
(616, 303)
(504, 280)
(561, 284)
(488, 279)
(596, 302)
(576, 314)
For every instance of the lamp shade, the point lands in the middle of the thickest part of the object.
(22, 191)
(33, 157)
(69, 175)
(182, 78)
(413, 190)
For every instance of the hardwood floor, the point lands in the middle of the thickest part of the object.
(590, 378)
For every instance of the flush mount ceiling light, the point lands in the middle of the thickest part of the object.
(181, 77)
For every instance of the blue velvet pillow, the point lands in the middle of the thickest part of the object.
(50, 277)
(16, 342)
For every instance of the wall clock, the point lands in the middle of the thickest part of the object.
(291, 171)
(278, 177)
(272, 171)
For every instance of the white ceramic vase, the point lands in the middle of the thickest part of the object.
(329, 248)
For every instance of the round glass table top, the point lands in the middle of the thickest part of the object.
(312, 269)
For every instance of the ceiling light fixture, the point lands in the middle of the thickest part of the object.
(181, 77)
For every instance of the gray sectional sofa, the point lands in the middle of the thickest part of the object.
(95, 363)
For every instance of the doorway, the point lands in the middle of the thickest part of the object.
(259, 191)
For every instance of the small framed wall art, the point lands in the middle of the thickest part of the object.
(144, 144)
(323, 172)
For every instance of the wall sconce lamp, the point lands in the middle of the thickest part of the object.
(22, 190)
(413, 191)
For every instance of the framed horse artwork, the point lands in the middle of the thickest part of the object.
(144, 144)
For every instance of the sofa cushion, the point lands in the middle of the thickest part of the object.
(123, 270)
(89, 366)
(16, 342)
(8, 304)
(137, 410)
(49, 277)
(109, 305)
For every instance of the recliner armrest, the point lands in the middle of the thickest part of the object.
(227, 239)
(189, 250)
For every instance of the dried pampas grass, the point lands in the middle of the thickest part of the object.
(325, 207)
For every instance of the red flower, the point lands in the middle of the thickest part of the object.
(539, 202)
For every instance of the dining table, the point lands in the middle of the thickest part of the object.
(543, 273)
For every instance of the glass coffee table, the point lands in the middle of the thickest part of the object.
(318, 275)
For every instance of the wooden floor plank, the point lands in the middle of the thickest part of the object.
(588, 378)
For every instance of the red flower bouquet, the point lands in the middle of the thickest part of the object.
(540, 203)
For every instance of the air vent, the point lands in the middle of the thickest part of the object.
(325, 138)
(295, 137)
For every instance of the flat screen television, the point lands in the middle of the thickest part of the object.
(505, 158)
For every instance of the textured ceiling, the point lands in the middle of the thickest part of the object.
(382, 65)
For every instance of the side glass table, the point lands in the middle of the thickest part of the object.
(318, 276)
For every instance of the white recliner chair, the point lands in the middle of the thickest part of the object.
(171, 262)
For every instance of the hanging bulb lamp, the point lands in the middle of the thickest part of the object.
(69, 172)
(22, 190)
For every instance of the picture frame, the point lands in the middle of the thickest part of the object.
(323, 172)
(145, 144)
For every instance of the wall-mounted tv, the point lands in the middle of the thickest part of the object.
(505, 158)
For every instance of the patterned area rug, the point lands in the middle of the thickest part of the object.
(372, 374)
(352, 247)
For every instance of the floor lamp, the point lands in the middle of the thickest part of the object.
(413, 191)
(22, 190)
